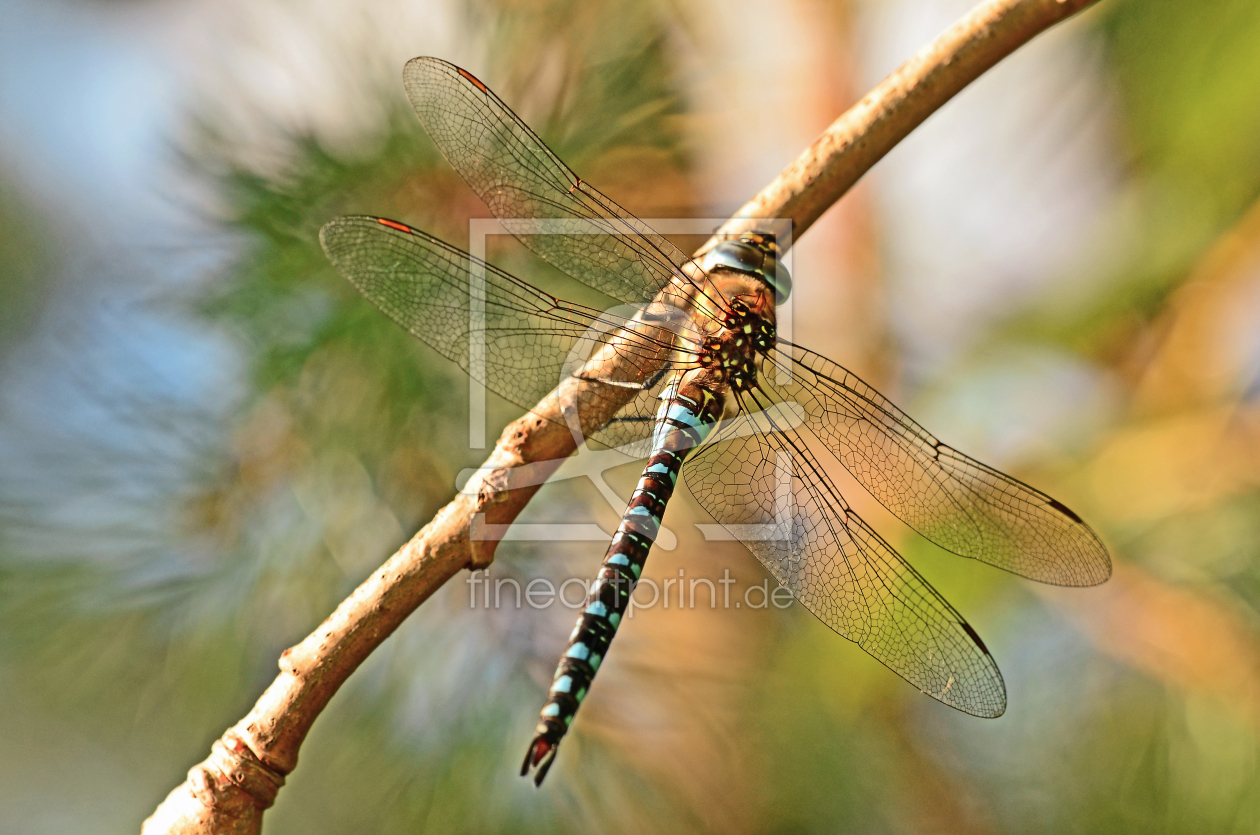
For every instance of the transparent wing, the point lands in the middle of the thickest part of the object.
(770, 493)
(508, 335)
(955, 501)
(630, 430)
(522, 182)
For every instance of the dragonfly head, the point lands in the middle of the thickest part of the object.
(755, 254)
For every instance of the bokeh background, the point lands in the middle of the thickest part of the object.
(207, 439)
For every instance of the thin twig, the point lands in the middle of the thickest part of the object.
(228, 792)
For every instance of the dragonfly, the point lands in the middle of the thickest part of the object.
(700, 384)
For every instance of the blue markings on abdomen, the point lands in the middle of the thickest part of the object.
(682, 424)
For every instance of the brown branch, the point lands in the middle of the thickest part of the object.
(897, 105)
(228, 792)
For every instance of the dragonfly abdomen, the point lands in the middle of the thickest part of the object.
(687, 415)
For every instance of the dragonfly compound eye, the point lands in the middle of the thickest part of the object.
(756, 255)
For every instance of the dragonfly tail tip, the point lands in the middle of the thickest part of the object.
(541, 754)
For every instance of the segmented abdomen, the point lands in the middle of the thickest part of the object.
(683, 422)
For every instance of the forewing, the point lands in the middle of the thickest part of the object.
(955, 501)
(520, 344)
(522, 182)
(769, 492)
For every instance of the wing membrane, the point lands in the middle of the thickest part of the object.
(522, 181)
(955, 501)
(771, 494)
(530, 339)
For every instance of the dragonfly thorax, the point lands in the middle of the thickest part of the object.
(733, 349)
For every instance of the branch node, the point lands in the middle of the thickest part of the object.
(233, 763)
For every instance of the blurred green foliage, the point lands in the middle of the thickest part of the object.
(1185, 74)
(28, 262)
